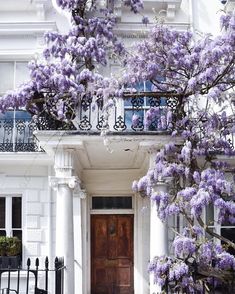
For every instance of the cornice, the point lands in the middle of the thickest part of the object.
(27, 28)
(138, 30)
(24, 5)
(169, 6)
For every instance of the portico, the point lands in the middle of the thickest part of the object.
(104, 168)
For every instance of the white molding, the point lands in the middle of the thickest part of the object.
(138, 30)
(89, 213)
(17, 54)
(39, 158)
(24, 5)
(112, 211)
(170, 6)
(27, 28)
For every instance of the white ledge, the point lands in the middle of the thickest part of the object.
(23, 5)
(26, 28)
(138, 30)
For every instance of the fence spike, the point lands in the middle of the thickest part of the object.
(46, 262)
(28, 262)
(56, 262)
(37, 262)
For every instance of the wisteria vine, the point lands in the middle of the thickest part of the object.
(200, 77)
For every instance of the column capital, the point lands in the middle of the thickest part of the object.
(72, 182)
(64, 162)
(82, 194)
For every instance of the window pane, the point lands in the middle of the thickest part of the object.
(127, 102)
(8, 115)
(210, 215)
(229, 234)
(112, 203)
(7, 75)
(2, 211)
(163, 101)
(140, 86)
(2, 233)
(16, 212)
(22, 73)
(17, 233)
(148, 86)
(129, 114)
(21, 114)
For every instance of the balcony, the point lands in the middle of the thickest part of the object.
(16, 132)
(17, 127)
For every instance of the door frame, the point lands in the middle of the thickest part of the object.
(87, 255)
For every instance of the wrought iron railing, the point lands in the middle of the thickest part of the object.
(18, 280)
(17, 127)
(16, 134)
(17, 131)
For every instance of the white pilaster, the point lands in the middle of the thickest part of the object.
(64, 183)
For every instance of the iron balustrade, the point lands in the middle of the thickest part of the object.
(16, 132)
(11, 279)
(17, 127)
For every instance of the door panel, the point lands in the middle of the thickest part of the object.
(112, 254)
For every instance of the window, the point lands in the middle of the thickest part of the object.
(210, 219)
(13, 73)
(139, 106)
(11, 216)
(118, 202)
(226, 230)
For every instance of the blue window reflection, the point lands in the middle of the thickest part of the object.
(17, 114)
(16, 130)
(139, 106)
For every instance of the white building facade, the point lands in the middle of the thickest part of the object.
(72, 195)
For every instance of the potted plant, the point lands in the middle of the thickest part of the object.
(10, 250)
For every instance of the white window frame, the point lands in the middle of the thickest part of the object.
(8, 215)
(216, 227)
(14, 62)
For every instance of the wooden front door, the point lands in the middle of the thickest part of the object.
(112, 254)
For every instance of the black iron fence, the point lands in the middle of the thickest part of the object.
(26, 281)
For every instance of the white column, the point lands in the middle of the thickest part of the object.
(158, 232)
(64, 183)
